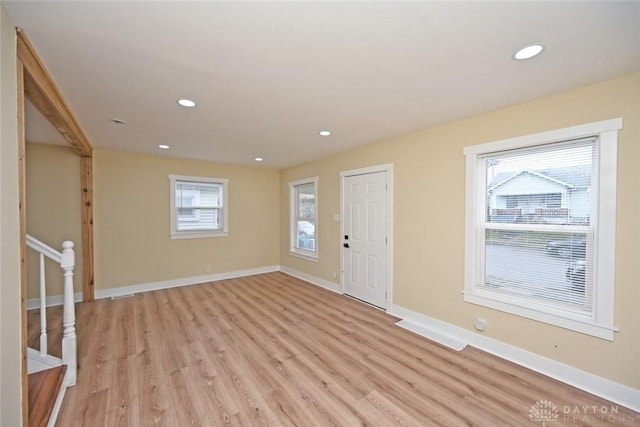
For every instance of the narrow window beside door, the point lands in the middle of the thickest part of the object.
(304, 218)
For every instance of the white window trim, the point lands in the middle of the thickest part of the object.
(175, 234)
(601, 323)
(297, 252)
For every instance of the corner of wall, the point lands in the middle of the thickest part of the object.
(10, 329)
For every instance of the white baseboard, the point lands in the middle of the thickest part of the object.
(333, 287)
(52, 301)
(166, 284)
(452, 342)
(602, 387)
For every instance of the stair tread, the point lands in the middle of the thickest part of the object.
(44, 387)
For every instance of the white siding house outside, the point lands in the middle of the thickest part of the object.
(550, 196)
(198, 207)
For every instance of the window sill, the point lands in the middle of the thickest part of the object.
(308, 257)
(197, 235)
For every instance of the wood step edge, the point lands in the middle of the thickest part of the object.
(44, 388)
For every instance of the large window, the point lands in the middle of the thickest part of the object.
(540, 226)
(304, 218)
(198, 207)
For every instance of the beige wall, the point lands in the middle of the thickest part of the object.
(53, 211)
(10, 328)
(131, 220)
(429, 222)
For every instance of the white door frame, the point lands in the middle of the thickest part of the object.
(388, 168)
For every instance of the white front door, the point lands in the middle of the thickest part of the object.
(365, 237)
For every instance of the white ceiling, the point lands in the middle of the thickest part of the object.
(268, 76)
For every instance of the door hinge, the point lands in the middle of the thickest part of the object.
(385, 295)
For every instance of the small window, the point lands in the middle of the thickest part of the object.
(198, 207)
(540, 226)
(304, 218)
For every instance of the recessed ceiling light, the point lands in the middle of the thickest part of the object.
(259, 159)
(528, 52)
(325, 133)
(163, 147)
(186, 103)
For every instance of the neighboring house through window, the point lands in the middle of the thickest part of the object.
(304, 218)
(540, 226)
(198, 207)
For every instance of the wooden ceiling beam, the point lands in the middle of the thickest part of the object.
(40, 89)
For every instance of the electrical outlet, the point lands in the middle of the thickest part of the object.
(335, 275)
(207, 269)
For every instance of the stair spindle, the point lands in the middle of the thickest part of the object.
(43, 309)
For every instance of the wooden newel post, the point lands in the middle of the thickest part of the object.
(69, 344)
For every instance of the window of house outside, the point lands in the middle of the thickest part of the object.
(540, 226)
(304, 218)
(198, 207)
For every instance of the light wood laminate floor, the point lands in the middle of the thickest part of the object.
(274, 350)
